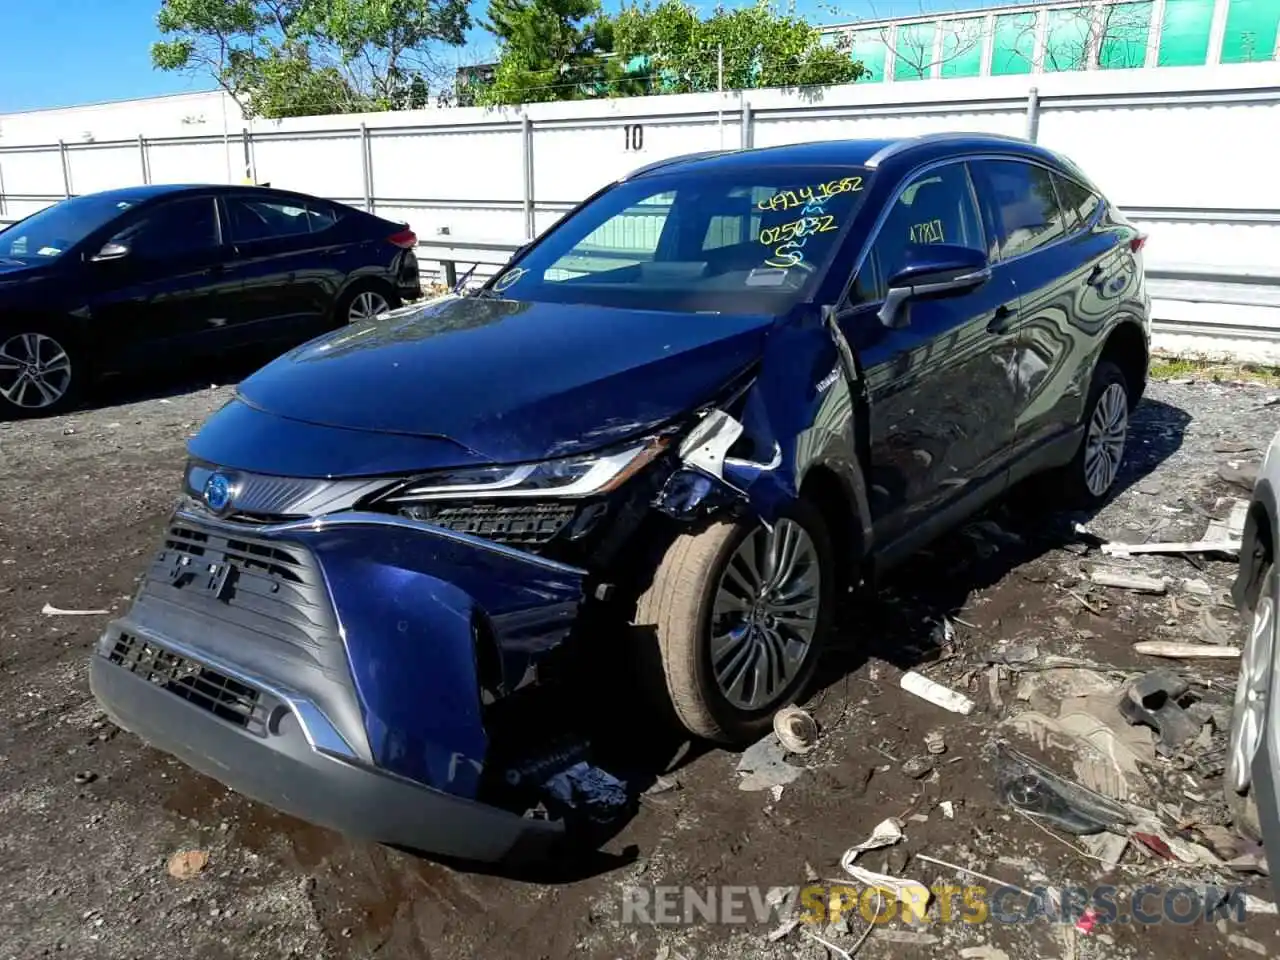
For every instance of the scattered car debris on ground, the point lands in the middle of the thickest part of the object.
(993, 614)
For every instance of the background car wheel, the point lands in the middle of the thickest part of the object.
(735, 619)
(1249, 715)
(40, 372)
(366, 301)
(1092, 473)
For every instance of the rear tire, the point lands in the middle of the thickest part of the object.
(42, 371)
(365, 300)
(1254, 688)
(1091, 475)
(722, 662)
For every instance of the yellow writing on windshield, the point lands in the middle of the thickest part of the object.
(770, 236)
(818, 192)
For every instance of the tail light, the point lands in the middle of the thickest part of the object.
(405, 239)
(1138, 242)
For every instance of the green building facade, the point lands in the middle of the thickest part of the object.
(1052, 37)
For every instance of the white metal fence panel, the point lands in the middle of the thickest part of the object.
(479, 164)
(327, 165)
(190, 161)
(104, 166)
(1182, 151)
(32, 174)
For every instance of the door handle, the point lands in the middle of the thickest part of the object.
(1003, 318)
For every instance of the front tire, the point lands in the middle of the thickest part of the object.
(41, 372)
(1249, 714)
(735, 620)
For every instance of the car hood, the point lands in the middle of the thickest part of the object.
(509, 381)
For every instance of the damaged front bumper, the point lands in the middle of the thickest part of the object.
(336, 669)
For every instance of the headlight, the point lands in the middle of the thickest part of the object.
(567, 477)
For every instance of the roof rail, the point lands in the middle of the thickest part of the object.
(657, 164)
(906, 143)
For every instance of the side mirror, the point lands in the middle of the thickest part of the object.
(931, 271)
(111, 251)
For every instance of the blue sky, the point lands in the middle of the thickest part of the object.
(65, 52)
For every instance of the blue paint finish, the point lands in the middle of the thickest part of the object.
(406, 597)
(239, 436)
(510, 381)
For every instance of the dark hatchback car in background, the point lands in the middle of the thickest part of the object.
(674, 428)
(116, 281)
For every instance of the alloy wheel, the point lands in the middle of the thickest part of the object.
(765, 614)
(1105, 438)
(1250, 713)
(367, 305)
(35, 371)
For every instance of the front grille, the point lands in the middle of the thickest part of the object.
(275, 591)
(199, 685)
(526, 524)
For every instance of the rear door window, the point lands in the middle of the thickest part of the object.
(253, 219)
(937, 206)
(173, 230)
(1078, 202)
(1026, 205)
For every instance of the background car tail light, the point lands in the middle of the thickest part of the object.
(405, 238)
(1138, 242)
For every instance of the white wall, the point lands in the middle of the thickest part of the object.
(1188, 153)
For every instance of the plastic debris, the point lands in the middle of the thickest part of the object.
(936, 693)
(1155, 844)
(889, 935)
(782, 930)
(984, 952)
(1107, 847)
(1116, 549)
(1152, 701)
(1087, 920)
(886, 833)
(935, 742)
(1247, 943)
(187, 864)
(51, 611)
(1121, 581)
(1185, 651)
(1257, 905)
(917, 767)
(912, 894)
(763, 765)
(948, 809)
(662, 785)
(1037, 791)
(596, 792)
(795, 729)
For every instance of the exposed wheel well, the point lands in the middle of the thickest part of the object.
(822, 488)
(1126, 347)
(1257, 554)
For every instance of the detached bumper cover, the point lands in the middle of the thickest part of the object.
(331, 668)
(280, 767)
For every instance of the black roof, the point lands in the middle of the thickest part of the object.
(852, 153)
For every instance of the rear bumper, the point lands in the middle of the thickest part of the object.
(289, 760)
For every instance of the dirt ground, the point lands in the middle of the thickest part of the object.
(91, 815)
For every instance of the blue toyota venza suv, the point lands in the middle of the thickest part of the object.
(678, 424)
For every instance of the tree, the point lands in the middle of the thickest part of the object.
(280, 58)
(919, 47)
(551, 50)
(568, 49)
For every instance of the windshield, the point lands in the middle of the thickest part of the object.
(755, 241)
(55, 229)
